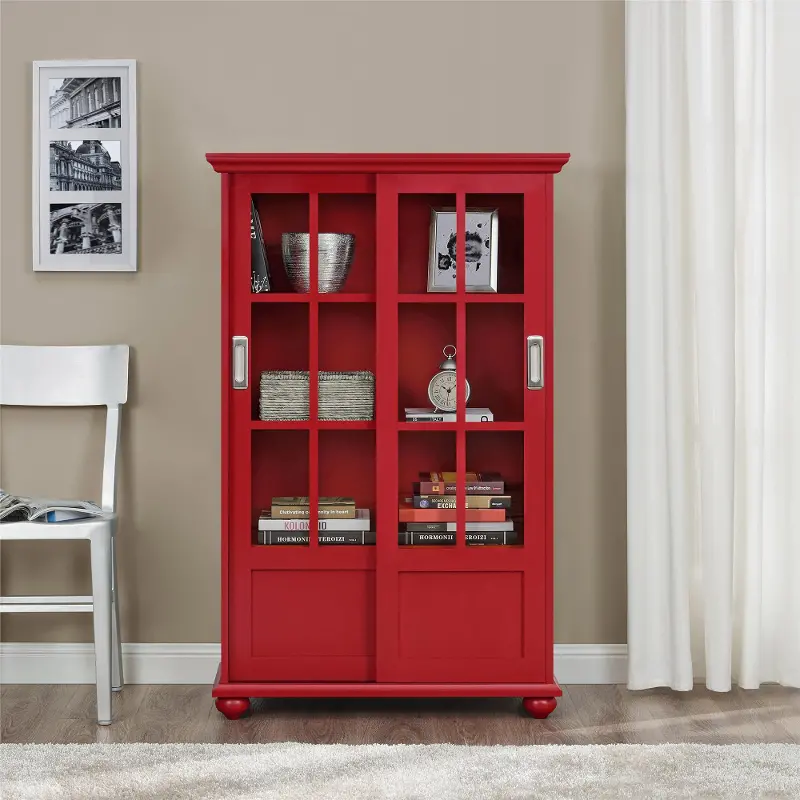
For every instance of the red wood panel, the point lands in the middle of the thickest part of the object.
(538, 483)
(386, 432)
(443, 689)
(311, 625)
(239, 468)
(468, 615)
(548, 437)
(226, 451)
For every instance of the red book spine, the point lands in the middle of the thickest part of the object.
(409, 514)
(473, 487)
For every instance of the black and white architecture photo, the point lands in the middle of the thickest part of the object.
(85, 102)
(85, 228)
(85, 166)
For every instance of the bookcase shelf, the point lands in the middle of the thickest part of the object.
(305, 425)
(457, 426)
(289, 297)
(470, 297)
(389, 619)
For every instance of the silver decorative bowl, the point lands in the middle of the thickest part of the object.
(336, 252)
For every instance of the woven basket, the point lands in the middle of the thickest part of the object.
(283, 395)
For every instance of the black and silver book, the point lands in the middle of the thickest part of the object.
(259, 266)
(447, 538)
(326, 538)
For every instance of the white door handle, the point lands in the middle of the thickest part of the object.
(239, 362)
(536, 362)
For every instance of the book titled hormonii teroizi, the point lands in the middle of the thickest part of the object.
(326, 538)
(449, 538)
(298, 508)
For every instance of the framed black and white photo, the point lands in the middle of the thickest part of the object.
(84, 166)
(480, 249)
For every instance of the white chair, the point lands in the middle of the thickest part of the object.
(76, 376)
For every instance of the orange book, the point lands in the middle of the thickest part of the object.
(408, 513)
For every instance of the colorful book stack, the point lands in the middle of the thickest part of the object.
(430, 516)
(338, 522)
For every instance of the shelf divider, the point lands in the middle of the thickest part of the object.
(461, 367)
(313, 369)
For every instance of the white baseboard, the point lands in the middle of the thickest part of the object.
(197, 663)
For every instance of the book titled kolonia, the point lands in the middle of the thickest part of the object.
(360, 522)
(471, 501)
(298, 507)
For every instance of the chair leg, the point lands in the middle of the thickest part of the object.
(101, 591)
(117, 676)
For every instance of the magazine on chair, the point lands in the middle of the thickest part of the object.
(26, 509)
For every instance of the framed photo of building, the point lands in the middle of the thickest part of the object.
(84, 166)
(480, 250)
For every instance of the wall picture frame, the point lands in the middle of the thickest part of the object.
(482, 237)
(85, 176)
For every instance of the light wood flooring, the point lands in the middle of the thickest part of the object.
(585, 715)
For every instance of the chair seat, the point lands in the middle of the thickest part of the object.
(72, 529)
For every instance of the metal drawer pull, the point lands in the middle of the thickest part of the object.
(239, 359)
(536, 362)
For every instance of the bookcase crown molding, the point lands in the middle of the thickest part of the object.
(498, 163)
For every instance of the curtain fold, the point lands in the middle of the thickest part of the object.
(713, 364)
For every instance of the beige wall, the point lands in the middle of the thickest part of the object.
(333, 76)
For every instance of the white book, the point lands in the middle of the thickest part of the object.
(476, 527)
(433, 415)
(360, 523)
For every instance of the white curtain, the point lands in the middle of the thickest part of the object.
(713, 332)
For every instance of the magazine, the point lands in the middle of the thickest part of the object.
(26, 509)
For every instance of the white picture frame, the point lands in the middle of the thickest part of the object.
(482, 228)
(85, 175)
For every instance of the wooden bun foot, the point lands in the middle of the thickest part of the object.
(233, 707)
(539, 707)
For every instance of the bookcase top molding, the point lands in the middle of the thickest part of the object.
(387, 162)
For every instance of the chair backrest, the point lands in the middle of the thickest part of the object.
(71, 376)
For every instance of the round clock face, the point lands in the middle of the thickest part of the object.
(442, 390)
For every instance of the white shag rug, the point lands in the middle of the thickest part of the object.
(407, 772)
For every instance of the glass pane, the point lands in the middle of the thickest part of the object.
(347, 266)
(498, 458)
(279, 482)
(422, 260)
(495, 243)
(272, 216)
(427, 515)
(495, 361)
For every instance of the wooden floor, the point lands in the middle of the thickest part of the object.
(585, 715)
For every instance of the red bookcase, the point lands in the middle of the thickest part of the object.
(388, 619)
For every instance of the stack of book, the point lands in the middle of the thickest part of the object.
(429, 517)
(435, 415)
(338, 522)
